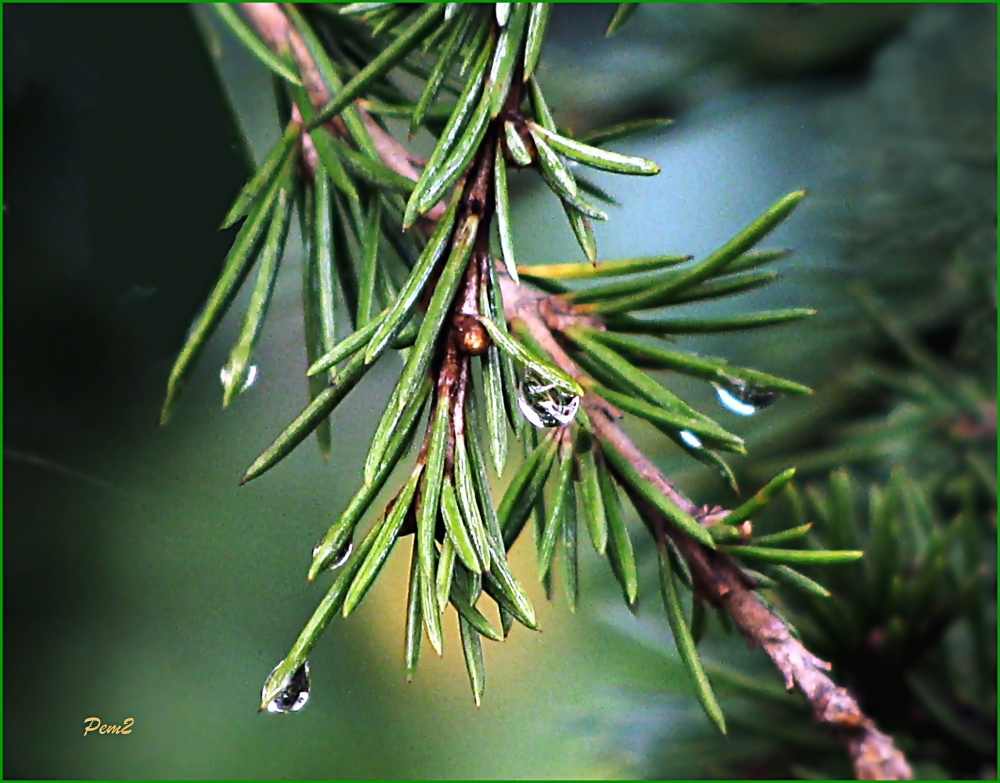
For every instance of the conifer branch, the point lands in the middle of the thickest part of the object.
(718, 579)
(467, 301)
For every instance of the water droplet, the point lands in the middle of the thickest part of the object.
(690, 439)
(226, 374)
(743, 399)
(338, 559)
(295, 693)
(544, 404)
(251, 377)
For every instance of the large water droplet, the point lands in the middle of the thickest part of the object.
(690, 439)
(226, 375)
(743, 399)
(544, 404)
(337, 560)
(294, 695)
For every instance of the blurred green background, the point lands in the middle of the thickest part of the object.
(141, 582)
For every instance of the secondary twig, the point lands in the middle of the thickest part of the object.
(277, 32)
(718, 578)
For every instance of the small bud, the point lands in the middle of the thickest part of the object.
(473, 339)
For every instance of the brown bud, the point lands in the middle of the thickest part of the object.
(473, 339)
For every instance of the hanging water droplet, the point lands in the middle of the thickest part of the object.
(293, 695)
(339, 558)
(690, 439)
(226, 376)
(743, 399)
(543, 403)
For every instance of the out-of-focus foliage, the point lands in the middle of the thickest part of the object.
(690, 55)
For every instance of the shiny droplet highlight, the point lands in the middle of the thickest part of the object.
(544, 404)
(226, 375)
(293, 695)
(337, 559)
(743, 399)
(690, 439)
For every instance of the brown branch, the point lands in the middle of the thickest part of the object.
(717, 577)
(454, 343)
